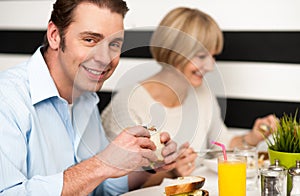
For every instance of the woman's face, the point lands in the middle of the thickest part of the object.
(197, 67)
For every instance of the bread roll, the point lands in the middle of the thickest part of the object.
(155, 138)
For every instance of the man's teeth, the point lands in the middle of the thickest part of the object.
(94, 71)
(198, 73)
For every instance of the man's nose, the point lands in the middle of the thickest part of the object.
(102, 54)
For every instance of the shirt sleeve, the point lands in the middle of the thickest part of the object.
(14, 182)
(13, 161)
(38, 185)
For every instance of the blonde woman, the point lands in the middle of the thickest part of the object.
(178, 98)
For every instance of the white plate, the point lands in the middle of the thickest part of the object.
(211, 164)
(151, 191)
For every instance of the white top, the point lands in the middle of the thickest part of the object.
(198, 120)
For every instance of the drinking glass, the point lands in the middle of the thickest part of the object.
(250, 153)
(232, 175)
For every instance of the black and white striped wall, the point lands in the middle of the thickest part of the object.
(260, 63)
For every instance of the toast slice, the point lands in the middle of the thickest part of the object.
(185, 185)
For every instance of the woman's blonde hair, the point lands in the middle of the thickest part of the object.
(182, 34)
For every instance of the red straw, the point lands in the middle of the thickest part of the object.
(223, 148)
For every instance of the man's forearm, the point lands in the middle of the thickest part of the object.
(83, 178)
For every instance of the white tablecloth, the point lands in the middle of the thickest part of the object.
(211, 185)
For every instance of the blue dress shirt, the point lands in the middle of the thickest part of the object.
(38, 138)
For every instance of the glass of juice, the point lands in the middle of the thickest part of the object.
(232, 175)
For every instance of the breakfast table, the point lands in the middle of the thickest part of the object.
(211, 184)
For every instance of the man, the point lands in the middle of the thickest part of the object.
(51, 137)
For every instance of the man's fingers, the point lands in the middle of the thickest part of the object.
(170, 158)
(164, 137)
(167, 167)
(146, 143)
(138, 131)
(149, 155)
(169, 148)
(169, 152)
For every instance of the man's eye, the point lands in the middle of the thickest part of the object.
(202, 56)
(115, 44)
(89, 40)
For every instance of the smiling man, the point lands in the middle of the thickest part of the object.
(51, 138)
(90, 49)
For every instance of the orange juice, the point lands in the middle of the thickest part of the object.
(232, 176)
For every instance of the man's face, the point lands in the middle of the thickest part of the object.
(93, 45)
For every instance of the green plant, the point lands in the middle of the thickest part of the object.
(287, 136)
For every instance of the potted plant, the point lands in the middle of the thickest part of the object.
(284, 144)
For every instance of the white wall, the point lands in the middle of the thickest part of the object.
(230, 14)
(270, 81)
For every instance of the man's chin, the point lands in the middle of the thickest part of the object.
(96, 87)
(195, 85)
(91, 88)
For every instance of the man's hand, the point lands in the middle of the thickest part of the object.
(168, 152)
(131, 150)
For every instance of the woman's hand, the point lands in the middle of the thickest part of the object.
(262, 128)
(185, 163)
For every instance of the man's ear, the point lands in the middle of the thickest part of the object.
(53, 36)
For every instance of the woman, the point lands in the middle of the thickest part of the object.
(178, 98)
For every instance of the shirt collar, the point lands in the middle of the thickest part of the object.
(41, 83)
